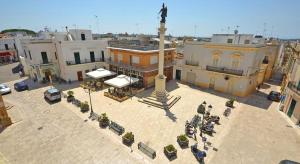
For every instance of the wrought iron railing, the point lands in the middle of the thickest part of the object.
(85, 61)
(225, 70)
(192, 63)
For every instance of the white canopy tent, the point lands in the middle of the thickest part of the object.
(100, 73)
(121, 81)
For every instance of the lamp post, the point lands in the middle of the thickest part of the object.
(88, 90)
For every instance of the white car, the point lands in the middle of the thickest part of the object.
(4, 89)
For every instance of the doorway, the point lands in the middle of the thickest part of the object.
(47, 75)
(291, 108)
(212, 83)
(178, 74)
(77, 57)
(79, 76)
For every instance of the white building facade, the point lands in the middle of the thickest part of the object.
(65, 55)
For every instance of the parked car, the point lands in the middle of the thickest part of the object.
(4, 89)
(21, 86)
(274, 96)
(288, 162)
(52, 94)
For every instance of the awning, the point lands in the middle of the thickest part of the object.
(100, 73)
(121, 81)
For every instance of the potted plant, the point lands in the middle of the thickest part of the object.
(70, 97)
(128, 138)
(229, 103)
(170, 151)
(183, 141)
(103, 120)
(84, 107)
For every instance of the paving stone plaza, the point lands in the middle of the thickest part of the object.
(255, 131)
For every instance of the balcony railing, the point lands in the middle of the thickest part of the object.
(192, 63)
(294, 87)
(85, 61)
(136, 67)
(225, 70)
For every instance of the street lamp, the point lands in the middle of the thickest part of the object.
(88, 90)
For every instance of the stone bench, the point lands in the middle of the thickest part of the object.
(116, 128)
(146, 150)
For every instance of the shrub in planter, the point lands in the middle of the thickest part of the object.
(170, 151)
(183, 140)
(229, 103)
(103, 120)
(128, 138)
(70, 96)
(84, 107)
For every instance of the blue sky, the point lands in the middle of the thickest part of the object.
(281, 18)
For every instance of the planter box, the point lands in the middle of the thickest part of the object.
(70, 98)
(127, 141)
(103, 124)
(171, 155)
(183, 143)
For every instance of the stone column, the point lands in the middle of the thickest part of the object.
(160, 79)
(4, 119)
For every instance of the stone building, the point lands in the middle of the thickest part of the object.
(4, 118)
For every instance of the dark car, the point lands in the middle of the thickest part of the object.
(21, 86)
(274, 96)
(288, 162)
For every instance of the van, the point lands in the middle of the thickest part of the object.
(52, 94)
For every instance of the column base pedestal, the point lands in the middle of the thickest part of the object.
(160, 97)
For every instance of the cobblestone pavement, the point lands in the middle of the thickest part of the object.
(6, 74)
(50, 134)
(255, 132)
(258, 135)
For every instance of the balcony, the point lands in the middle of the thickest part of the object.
(85, 61)
(225, 70)
(137, 67)
(292, 86)
(192, 63)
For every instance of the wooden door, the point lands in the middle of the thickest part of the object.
(79, 76)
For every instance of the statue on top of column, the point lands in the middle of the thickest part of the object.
(163, 12)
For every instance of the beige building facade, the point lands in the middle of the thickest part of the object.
(226, 67)
(291, 101)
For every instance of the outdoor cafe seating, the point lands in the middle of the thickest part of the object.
(120, 87)
(95, 80)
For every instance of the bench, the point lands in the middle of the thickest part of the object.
(146, 150)
(116, 128)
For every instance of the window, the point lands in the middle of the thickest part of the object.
(135, 60)
(229, 40)
(77, 57)
(6, 46)
(215, 61)
(29, 55)
(44, 57)
(102, 55)
(120, 58)
(153, 59)
(235, 62)
(55, 55)
(82, 36)
(92, 56)
(247, 41)
(25, 53)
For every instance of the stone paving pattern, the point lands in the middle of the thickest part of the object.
(255, 132)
